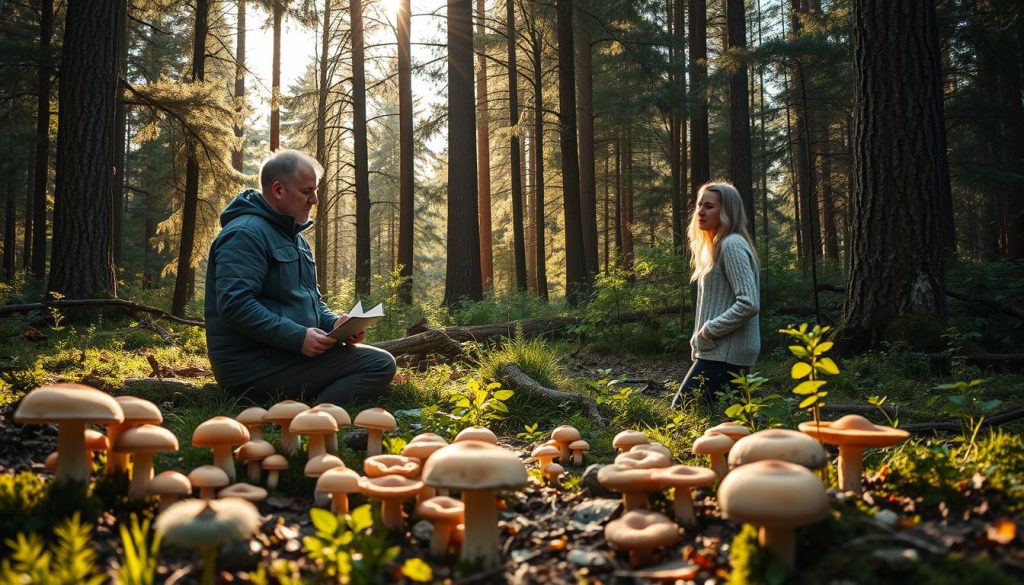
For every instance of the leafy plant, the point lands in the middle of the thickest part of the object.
(969, 405)
(878, 402)
(68, 561)
(750, 403)
(55, 313)
(140, 553)
(482, 403)
(811, 365)
(531, 434)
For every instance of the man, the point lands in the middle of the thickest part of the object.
(266, 323)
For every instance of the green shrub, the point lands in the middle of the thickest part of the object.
(20, 495)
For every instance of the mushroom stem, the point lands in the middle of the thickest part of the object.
(641, 557)
(634, 501)
(374, 438)
(851, 464)
(577, 457)
(441, 538)
(480, 545)
(272, 479)
(719, 464)
(255, 432)
(115, 461)
(315, 445)
(222, 458)
(289, 441)
(207, 493)
(780, 542)
(209, 565)
(73, 464)
(142, 474)
(683, 506)
(254, 472)
(563, 447)
(339, 503)
(167, 500)
(391, 514)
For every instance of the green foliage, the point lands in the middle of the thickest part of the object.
(531, 434)
(750, 564)
(811, 364)
(482, 403)
(879, 402)
(140, 553)
(968, 404)
(534, 356)
(68, 561)
(611, 393)
(55, 312)
(20, 495)
(751, 407)
(503, 307)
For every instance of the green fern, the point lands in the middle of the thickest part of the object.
(140, 555)
(69, 561)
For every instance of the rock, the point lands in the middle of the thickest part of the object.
(887, 518)
(897, 559)
(587, 558)
(422, 530)
(594, 488)
(591, 515)
(356, 440)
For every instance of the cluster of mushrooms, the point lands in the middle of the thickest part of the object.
(764, 478)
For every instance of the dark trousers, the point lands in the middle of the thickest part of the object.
(340, 375)
(708, 377)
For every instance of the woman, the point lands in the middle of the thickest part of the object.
(726, 334)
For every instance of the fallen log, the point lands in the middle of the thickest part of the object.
(954, 425)
(516, 379)
(430, 341)
(120, 303)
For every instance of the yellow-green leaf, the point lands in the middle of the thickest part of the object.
(810, 400)
(823, 347)
(800, 370)
(808, 387)
(827, 366)
(323, 520)
(503, 394)
(799, 351)
(417, 570)
(361, 518)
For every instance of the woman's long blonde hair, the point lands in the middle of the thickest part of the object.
(704, 246)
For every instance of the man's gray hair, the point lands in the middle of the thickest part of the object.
(283, 166)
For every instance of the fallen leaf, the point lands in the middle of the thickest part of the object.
(1001, 531)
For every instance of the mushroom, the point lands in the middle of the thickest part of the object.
(656, 447)
(682, 478)
(252, 453)
(315, 467)
(142, 441)
(715, 446)
(282, 414)
(640, 532)
(421, 447)
(643, 459)
(391, 490)
(340, 416)
(375, 421)
(274, 465)
(221, 433)
(339, 482)
(94, 441)
(552, 472)
(578, 448)
(379, 465)
(853, 433)
(628, 438)
(208, 478)
(445, 513)
(564, 435)
(545, 454)
(428, 437)
(781, 444)
(247, 492)
(633, 483)
(477, 433)
(477, 469)
(315, 424)
(207, 525)
(169, 486)
(252, 419)
(137, 411)
(777, 496)
(733, 430)
(71, 406)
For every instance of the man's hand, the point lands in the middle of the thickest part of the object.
(316, 342)
(357, 338)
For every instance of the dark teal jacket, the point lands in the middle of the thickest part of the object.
(261, 292)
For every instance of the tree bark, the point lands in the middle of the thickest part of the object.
(406, 163)
(120, 139)
(10, 233)
(275, 79)
(588, 182)
(538, 161)
(483, 158)
(325, 205)
(42, 145)
(900, 170)
(740, 171)
(360, 151)
(518, 243)
(462, 273)
(626, 203)
(238, 154)
(700, 156)
(82, 264)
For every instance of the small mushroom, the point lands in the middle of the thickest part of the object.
(545, 454)
(208, 478)
(252, 419)
(552, 472)
(379, 465)
(656, 447)
(565, 435)
(640, 532)
(315, 424)
(252, 453)
(477, 433)
(777, 496)
(715, 446)
(274, 465)
(282, 414)
(340, 416)
(421, 447)
(339, 482)
(391, 490)
(96, 441)
(633, 483)
(142, 441)
(137, 411)
(627, 439)
(221, 433)
(578, 448)
(71, 406)
(731, 429)
(315, 467)
(206, 526)
(445, 514)
(169, 486)
(852, 434)
(781, 444)
(247, 492)
(683, 478)
(375, 421)
(643, 459)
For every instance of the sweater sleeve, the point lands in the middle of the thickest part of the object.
(242, 267)
(738, 267)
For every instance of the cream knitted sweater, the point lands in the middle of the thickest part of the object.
(728, 301)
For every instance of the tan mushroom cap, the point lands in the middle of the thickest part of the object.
(553, 471)
(545, 454)
(422, 450)
(854, 430)
(169, 483)
(275, 463)
(340, 414)
(476, 433)
(782, 444)
(56, 403)
(283, 412)
(684, 476)
(390, 486)
(146, 439)
(338, 479)
(733, 430)
(218, 431)
(773, 493)
(211, 523)
(96, 441)
(442, 508)
(474, 465)
(321, 463)
(313, 422)
(625, 440)
(565, 434)
(640, 532)
(255, 450)
(252, 416)
(579, 445)
(378, 465)
(139, 410)
(656, 447)
(245, 491)
(428, 437)
(642, 460)
(627, 479)
(712, 444)
(376, 418)
(208, 476)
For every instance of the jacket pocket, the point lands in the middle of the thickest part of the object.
(700, 344)
(308, 269)
(286, 271)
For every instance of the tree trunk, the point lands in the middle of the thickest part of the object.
(576, 277)
(42, 145)
(483, 158)
(462, 273)
(322, 225)
(626, 203)
(531, 214)
(618, 197)
(677, 121)
(518, 245)
(82, 265)
(120, 139)
(10, 234)
(406, 199)
(185, 277)
(740, 171)
(238, 154)
(275, 79)
(538, 161)
(588, 182)
(700, 156)
(360, 148)
(900, 172)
